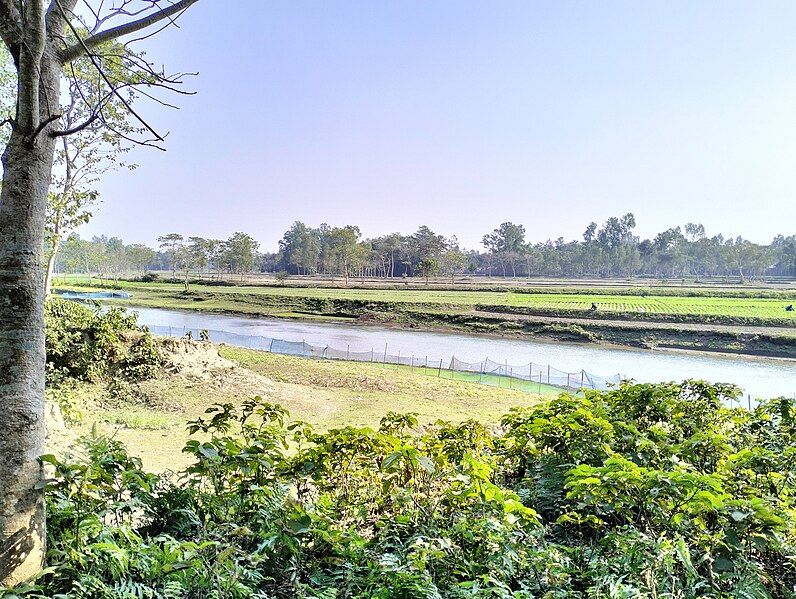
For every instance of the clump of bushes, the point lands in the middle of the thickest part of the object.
(91, 343)
(641, 491)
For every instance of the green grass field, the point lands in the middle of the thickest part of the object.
(502, 382)
(717, 306)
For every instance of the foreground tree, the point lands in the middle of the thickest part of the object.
(42, 39)
(93, 149)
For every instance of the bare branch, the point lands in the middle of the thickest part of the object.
(45, 122)
(110, 85)
(80, 48)
(87, 123)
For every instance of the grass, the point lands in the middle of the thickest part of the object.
(245, 299)
(325, 393)
(353, 375)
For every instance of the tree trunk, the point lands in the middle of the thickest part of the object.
(48, 275)
(27, 162)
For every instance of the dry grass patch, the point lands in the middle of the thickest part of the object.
(151, 418)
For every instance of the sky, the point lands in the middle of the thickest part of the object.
(461, 115)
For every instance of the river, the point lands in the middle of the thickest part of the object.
(758, 377)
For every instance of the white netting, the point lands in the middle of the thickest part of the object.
(487, 372)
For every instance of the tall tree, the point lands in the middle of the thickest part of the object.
(140, 257)
(427, 268)
(94, 149)
(507, 243)
(452, 262)
(200, 251)
(344, 250)
(240, 253)
(301, 248)
(42, 38)
(172, 244)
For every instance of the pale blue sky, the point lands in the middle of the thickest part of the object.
(461, 115)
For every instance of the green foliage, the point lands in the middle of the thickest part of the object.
(90, 343)
(63, 392)
(94, 344)
(641, 491)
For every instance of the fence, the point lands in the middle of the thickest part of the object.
(527, 376)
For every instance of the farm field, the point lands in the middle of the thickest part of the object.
(644, 304)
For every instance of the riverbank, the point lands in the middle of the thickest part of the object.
(681, 322)
(151, 417)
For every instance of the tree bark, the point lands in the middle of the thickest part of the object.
(30, 31)
(27, 164)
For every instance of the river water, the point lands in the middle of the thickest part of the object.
(758, 377)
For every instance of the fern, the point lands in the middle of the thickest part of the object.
(129, 589)
(173, 590)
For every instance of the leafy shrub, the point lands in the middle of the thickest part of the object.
(642, 491)
(92, 343)
(64, 395)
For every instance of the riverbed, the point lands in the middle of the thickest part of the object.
(758, 377)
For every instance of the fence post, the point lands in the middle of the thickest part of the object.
(439, 372)
(511, 375)
(582, 374)
(548, 374)
(567, 381)
(540, 381)
(271, 345)
(425, 368)
(347, 352)
(749, 400)
(371, 355)
(385, 354)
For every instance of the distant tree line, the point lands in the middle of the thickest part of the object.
(610, 250)
(110, 257)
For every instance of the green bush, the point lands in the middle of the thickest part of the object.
(643, 491)
(91, 343)
(64, 395)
